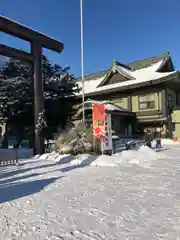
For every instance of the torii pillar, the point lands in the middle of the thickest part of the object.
(36, 51)
(37, 41)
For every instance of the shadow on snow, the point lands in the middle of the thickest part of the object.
(85, 163)
(14, 191)
(161, 149)
(10, 171)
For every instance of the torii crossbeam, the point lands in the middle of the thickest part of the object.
(37, 41)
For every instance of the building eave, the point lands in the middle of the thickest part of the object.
(153, 120)
(121, 112)
(110, 108)
(153, 82)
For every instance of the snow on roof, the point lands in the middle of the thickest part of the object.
(141, 79)
(90, 85)
(147, 72)
(139, 76)
(109, 106)
(125, 70)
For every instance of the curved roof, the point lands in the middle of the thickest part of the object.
(132, 78)
(135, 65)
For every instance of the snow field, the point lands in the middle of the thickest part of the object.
(62, 198)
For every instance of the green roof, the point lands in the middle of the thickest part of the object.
(133, 65)
(94, 75)
(148, 61)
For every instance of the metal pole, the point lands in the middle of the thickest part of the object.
(82, 58)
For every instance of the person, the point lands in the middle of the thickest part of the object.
(148, 138)
(164, 132)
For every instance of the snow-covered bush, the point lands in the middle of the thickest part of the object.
(75, 140)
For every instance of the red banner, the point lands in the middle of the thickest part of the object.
(99, 120)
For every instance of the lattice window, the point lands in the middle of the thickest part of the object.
(147, 101)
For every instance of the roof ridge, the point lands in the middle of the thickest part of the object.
(148, 58)
(122, 65)
(93, 73)
(126, 65)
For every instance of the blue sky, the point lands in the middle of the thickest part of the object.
(113, 30)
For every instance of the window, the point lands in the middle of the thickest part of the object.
(170, 101)
(146, 102)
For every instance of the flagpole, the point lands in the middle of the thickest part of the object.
(82, 58)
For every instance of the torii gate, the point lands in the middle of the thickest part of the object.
(37, 41)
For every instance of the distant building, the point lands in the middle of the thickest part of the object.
(150, 88)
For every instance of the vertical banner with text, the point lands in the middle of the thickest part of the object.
(99, 121)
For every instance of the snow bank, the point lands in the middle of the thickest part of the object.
(52, 156)
(169, 142)
(166, 141)
(94, 160)
(143, 156)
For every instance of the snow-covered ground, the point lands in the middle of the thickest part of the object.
(131, 195)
